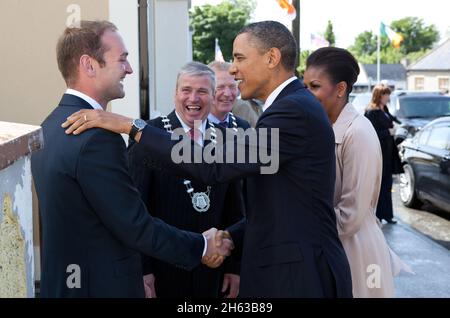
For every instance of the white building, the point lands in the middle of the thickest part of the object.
(431, 72)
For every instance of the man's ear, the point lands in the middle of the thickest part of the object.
(274, 57)
(86, 65)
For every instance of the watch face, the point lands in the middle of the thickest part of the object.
(139, 123)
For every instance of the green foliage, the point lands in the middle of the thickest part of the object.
(302, 62)
(329, 34)
(418, 39)
(222, 21)
(416, 35)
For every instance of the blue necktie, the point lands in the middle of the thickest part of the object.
(224, 124)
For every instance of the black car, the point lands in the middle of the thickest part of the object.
(414, 110)
(426, 159)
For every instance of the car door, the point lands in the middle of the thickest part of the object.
(419, 159)
(432, 172)
(445, 173)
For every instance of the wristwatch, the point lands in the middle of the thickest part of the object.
(137, 125)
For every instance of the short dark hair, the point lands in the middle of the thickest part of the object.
(76, 41)
(269, 34)
(339, 64)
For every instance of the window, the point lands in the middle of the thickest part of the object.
(443, 83)
(419, 83)
(439, 137)
(423, 136)
(424, 106)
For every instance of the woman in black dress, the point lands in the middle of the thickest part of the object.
(382, 121)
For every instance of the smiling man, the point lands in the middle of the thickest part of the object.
(93, 220)
(291, 246)
(225, 98)
(172, 198)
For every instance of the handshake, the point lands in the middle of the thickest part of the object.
(219, 246)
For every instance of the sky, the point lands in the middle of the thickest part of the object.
(352, 17)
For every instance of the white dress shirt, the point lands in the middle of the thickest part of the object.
(186, 128)
(88, 99)
(276, 92)
(212, 118)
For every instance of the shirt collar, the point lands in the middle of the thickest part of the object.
(88, 99)
(216, 120)
(344, 120)
(186, 128)
(276, 92)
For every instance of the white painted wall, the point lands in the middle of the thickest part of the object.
(169, 50)
(124, 14)
(431, 79)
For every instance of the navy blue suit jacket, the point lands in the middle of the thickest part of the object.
(291, 246)
(93, 217)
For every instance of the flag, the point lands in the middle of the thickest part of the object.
(218, 56)
(395, 38)
(319, 41)
(290, 9)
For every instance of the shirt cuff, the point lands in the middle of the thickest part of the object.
(206, 245)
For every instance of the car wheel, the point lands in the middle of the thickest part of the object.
(408, 189)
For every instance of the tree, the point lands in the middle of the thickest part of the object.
(222, 21)
(366, 44)
(416, 35)
(418, 39)
(302, 62)
(329, 34)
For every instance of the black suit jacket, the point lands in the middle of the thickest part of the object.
(165, 197)
(92, 215)
(291, 246)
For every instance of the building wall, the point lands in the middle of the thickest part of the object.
(124, 14)
(32, 85)
(430, 79)
(169, 50)
(16, 231)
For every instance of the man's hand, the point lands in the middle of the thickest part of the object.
(91, 118)
(149, 286)
(219, 247)
(231, 282)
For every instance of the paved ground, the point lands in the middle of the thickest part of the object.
(421, 239)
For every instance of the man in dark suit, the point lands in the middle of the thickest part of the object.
(169, 198)
(291, 246)
(225, 98)
(93, 220)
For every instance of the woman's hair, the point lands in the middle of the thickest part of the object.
(339, 64)
(377, 94)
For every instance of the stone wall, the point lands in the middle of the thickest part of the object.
(17, 142)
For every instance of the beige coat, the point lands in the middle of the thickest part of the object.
(358, 179)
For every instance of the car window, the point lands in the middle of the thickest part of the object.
(439, 137)
(424, 107)
(423, 136)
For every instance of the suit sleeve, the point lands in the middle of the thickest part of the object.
(142, 176)
(281, 144)
(104, 179)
